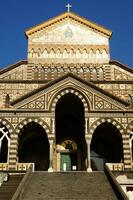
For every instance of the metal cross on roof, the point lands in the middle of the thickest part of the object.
(68, 6)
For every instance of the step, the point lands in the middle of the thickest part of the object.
(8, 188)
(69, 185)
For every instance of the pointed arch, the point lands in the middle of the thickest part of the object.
(35, 54)
(32, 53)
(88, 74)
(39, 53)
(85, 54)
(109, 120)
(55, 72)
(101, 74)
(104, 55)
(65, 53)
(35, 73)
(57, 96)
(106, 144)
(98, 55)
(91, 55)
(71, 54)
(62, 71)
(36, 120)
(33, 146)
(69, 123)
(4, 143)
(94, 74)
(81, 72)
(75, 71)
(78, 53)
(45, 53)
(58, 53)
(52, 53)
(49, 73)
(42, 73)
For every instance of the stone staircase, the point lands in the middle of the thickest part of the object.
(8, 188)
(68, 186)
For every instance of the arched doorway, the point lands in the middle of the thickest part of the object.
(34, 146)
(68, 155)
(69, 116)
(106, 146)
(4, 143)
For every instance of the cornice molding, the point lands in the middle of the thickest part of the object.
(119, 64)
(10, 67)
(88, 23)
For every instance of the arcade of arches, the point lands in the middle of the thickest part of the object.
(69, 149)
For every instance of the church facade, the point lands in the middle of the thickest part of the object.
(68, 107)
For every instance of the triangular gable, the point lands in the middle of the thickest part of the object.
(41, 98)
(69, 15)
(16, 71)
(121, 72)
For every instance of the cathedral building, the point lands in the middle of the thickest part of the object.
(68, 107)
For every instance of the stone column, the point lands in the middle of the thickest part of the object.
(88, 142)
(13, 151)
(127, 152)
(51, 141)
(53, 126)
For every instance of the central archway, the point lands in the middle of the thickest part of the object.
(34, 146)
(106, 146)
(69, 115)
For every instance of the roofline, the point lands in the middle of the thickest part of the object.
(60, 79)
(31, 81)
(121, 65)
(10, 67)
(53, 20)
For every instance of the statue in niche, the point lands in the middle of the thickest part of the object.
(7, 101)
(130, 100)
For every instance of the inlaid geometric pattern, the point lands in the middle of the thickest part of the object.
(100, 104)
(39, 103)
(7, 124)
(119, 75)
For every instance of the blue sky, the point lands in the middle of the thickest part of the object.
(17, 16)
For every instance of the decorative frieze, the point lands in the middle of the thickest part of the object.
(15, 90)
(53, 71)
(120, 90)
(91, 54)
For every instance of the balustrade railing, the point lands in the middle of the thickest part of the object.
(24, 166)
(115, 166)
(3, 166)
